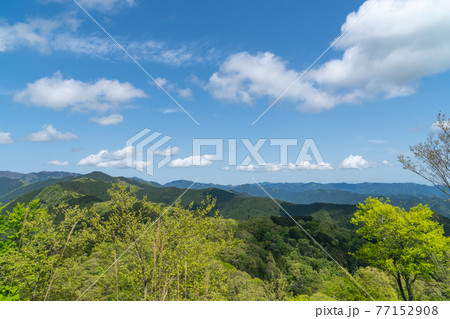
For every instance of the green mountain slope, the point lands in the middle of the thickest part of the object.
(91, 189)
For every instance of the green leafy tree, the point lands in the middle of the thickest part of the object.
(374, 281)
(405, 244)
(36, 249)
(167, 254)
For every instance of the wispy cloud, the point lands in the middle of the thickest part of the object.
(173, 88)
(387, 163)
(58, 163)
(112, 119)
(104, 6)
(378, 141)
(171, 110)
(62, 34)
(276, 167)
(49, 133)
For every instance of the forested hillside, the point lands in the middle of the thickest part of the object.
(102, 238)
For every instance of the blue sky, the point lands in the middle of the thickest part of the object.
(70, 98)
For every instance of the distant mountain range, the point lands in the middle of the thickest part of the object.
(14, 185)
(385, 189)
(401, 194)
(91, 189)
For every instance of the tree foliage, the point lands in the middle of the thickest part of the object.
(129, 248)
(405, 244)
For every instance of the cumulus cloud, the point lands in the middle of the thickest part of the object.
(112, 119)
(244, 77)
(190, 161)
(58, 163)
(355, 162)
(389, 48)
(58, 93)
(49, 133)
(5, 138)
(276, 167)
(105, 158)
(118, 159)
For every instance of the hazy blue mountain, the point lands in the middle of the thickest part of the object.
(185, 184)
(384, 189)
(36, 177)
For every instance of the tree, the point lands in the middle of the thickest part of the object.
(167, 253)
(36, 249)
(432, 158)
(405, 244)
(375, 282)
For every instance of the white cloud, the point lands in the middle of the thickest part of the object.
(161, 81)
(385, 53)
(50, 134)
(112, 119)
(118, 159)
(276, 167)
(173, 88)
(34, 33)
(244, 77)
(104, 158)
(5, 138)
(437, 126)
(58, 93)
(171, 110)
(355, 162)
(106, 5)
(162, 53)
(185, 93)
(388, 49)
(58, 34)
(99, 5)
(191, 161)
(62, 34)
(58, 163)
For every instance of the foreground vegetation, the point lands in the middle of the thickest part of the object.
(121, 249)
